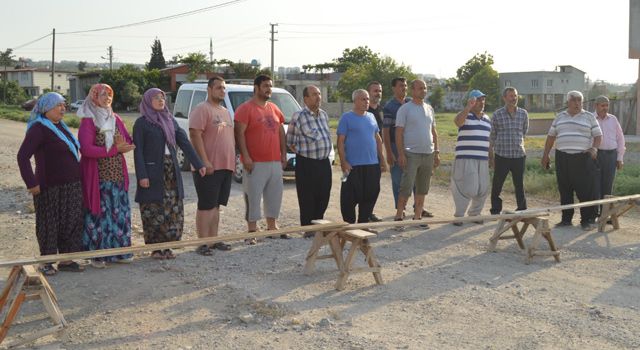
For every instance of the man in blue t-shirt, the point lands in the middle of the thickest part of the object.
(361, 160)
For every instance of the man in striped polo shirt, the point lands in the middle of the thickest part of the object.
(470, 175)
(577, 135)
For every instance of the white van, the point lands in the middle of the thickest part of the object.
(189, 95)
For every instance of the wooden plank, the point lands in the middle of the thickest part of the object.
(362, 234)
(633, 197)
(166, 245)
(407, 223)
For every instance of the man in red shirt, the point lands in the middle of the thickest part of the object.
(260, 138)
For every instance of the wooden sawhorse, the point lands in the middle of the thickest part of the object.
(541, 225)
(26, 283)
(612, 211)
(359, 241)
(320, 239)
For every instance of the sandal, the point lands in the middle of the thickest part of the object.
(157, 254)
(251, 241)
(48, 270)
(71, 267)
(221, 246)
(204, 250)
(168, 254)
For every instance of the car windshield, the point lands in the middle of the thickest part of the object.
(287, 104)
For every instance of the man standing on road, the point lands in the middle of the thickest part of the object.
(374, 89)
(309, 136)
(470, 175)
(612, 147)
(261, 140)
(399, 88)
(418, 154)
(578, 137)
(361, 160)
(211, 133)
(509, 124)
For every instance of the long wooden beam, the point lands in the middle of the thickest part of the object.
(43, 259)
(634, 197)
(449, 220)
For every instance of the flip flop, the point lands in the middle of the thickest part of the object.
(204, 250)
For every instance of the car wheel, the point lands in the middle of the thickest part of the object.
(182, 161)
(237, 174)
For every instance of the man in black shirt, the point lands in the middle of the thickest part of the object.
(375, 96)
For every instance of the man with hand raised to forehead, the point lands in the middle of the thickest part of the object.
(211, 133)
(261, 140)
(470, 175)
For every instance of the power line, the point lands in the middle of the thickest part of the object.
(184, 14)
(30, 42)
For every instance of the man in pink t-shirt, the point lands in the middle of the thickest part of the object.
(261, 140)
(211, 133)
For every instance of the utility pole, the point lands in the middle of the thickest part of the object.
(53, 59)
(273, 40)
(210, 50)
(110, 57)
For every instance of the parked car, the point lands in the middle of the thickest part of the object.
(190, 95)
(75, 105)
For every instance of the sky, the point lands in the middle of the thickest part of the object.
(432, 37)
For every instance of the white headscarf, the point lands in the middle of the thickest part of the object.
(103, 118)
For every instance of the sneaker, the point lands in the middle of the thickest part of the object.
(285, 236)
(586, 226)
(221, 246)
(457, 223)
(311, 234)
(564, 224)
(98, 264)
(204, 250)
(479, 222)
(374, 218)
(427, 214)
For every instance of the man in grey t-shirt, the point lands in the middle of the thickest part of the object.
(418, 154)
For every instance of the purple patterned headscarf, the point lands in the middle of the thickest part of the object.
(162, 118)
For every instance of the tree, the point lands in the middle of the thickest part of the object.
(197, 63)
(487, 81)
(6, 59)
(142, 79)
(436, 97)
(382, 69)
(82, 65)
(157, 58)
(12, 93)
(130, 94)
(473, 66)
(355, 57)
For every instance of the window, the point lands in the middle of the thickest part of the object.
(549, 82)
(198, 96)
(507, 83)
(534, 83)
(181, 107)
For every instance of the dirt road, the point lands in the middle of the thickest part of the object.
(443, 289)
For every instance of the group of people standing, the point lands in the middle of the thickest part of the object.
(80, 185)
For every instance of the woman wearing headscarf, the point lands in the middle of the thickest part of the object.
(159, 192)
(55, 185)
(105, 182)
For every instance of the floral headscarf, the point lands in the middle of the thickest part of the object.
(102, 117)
(163, 118)
(44, 104)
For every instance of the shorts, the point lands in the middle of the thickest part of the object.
(417, 173)
(213, 190)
